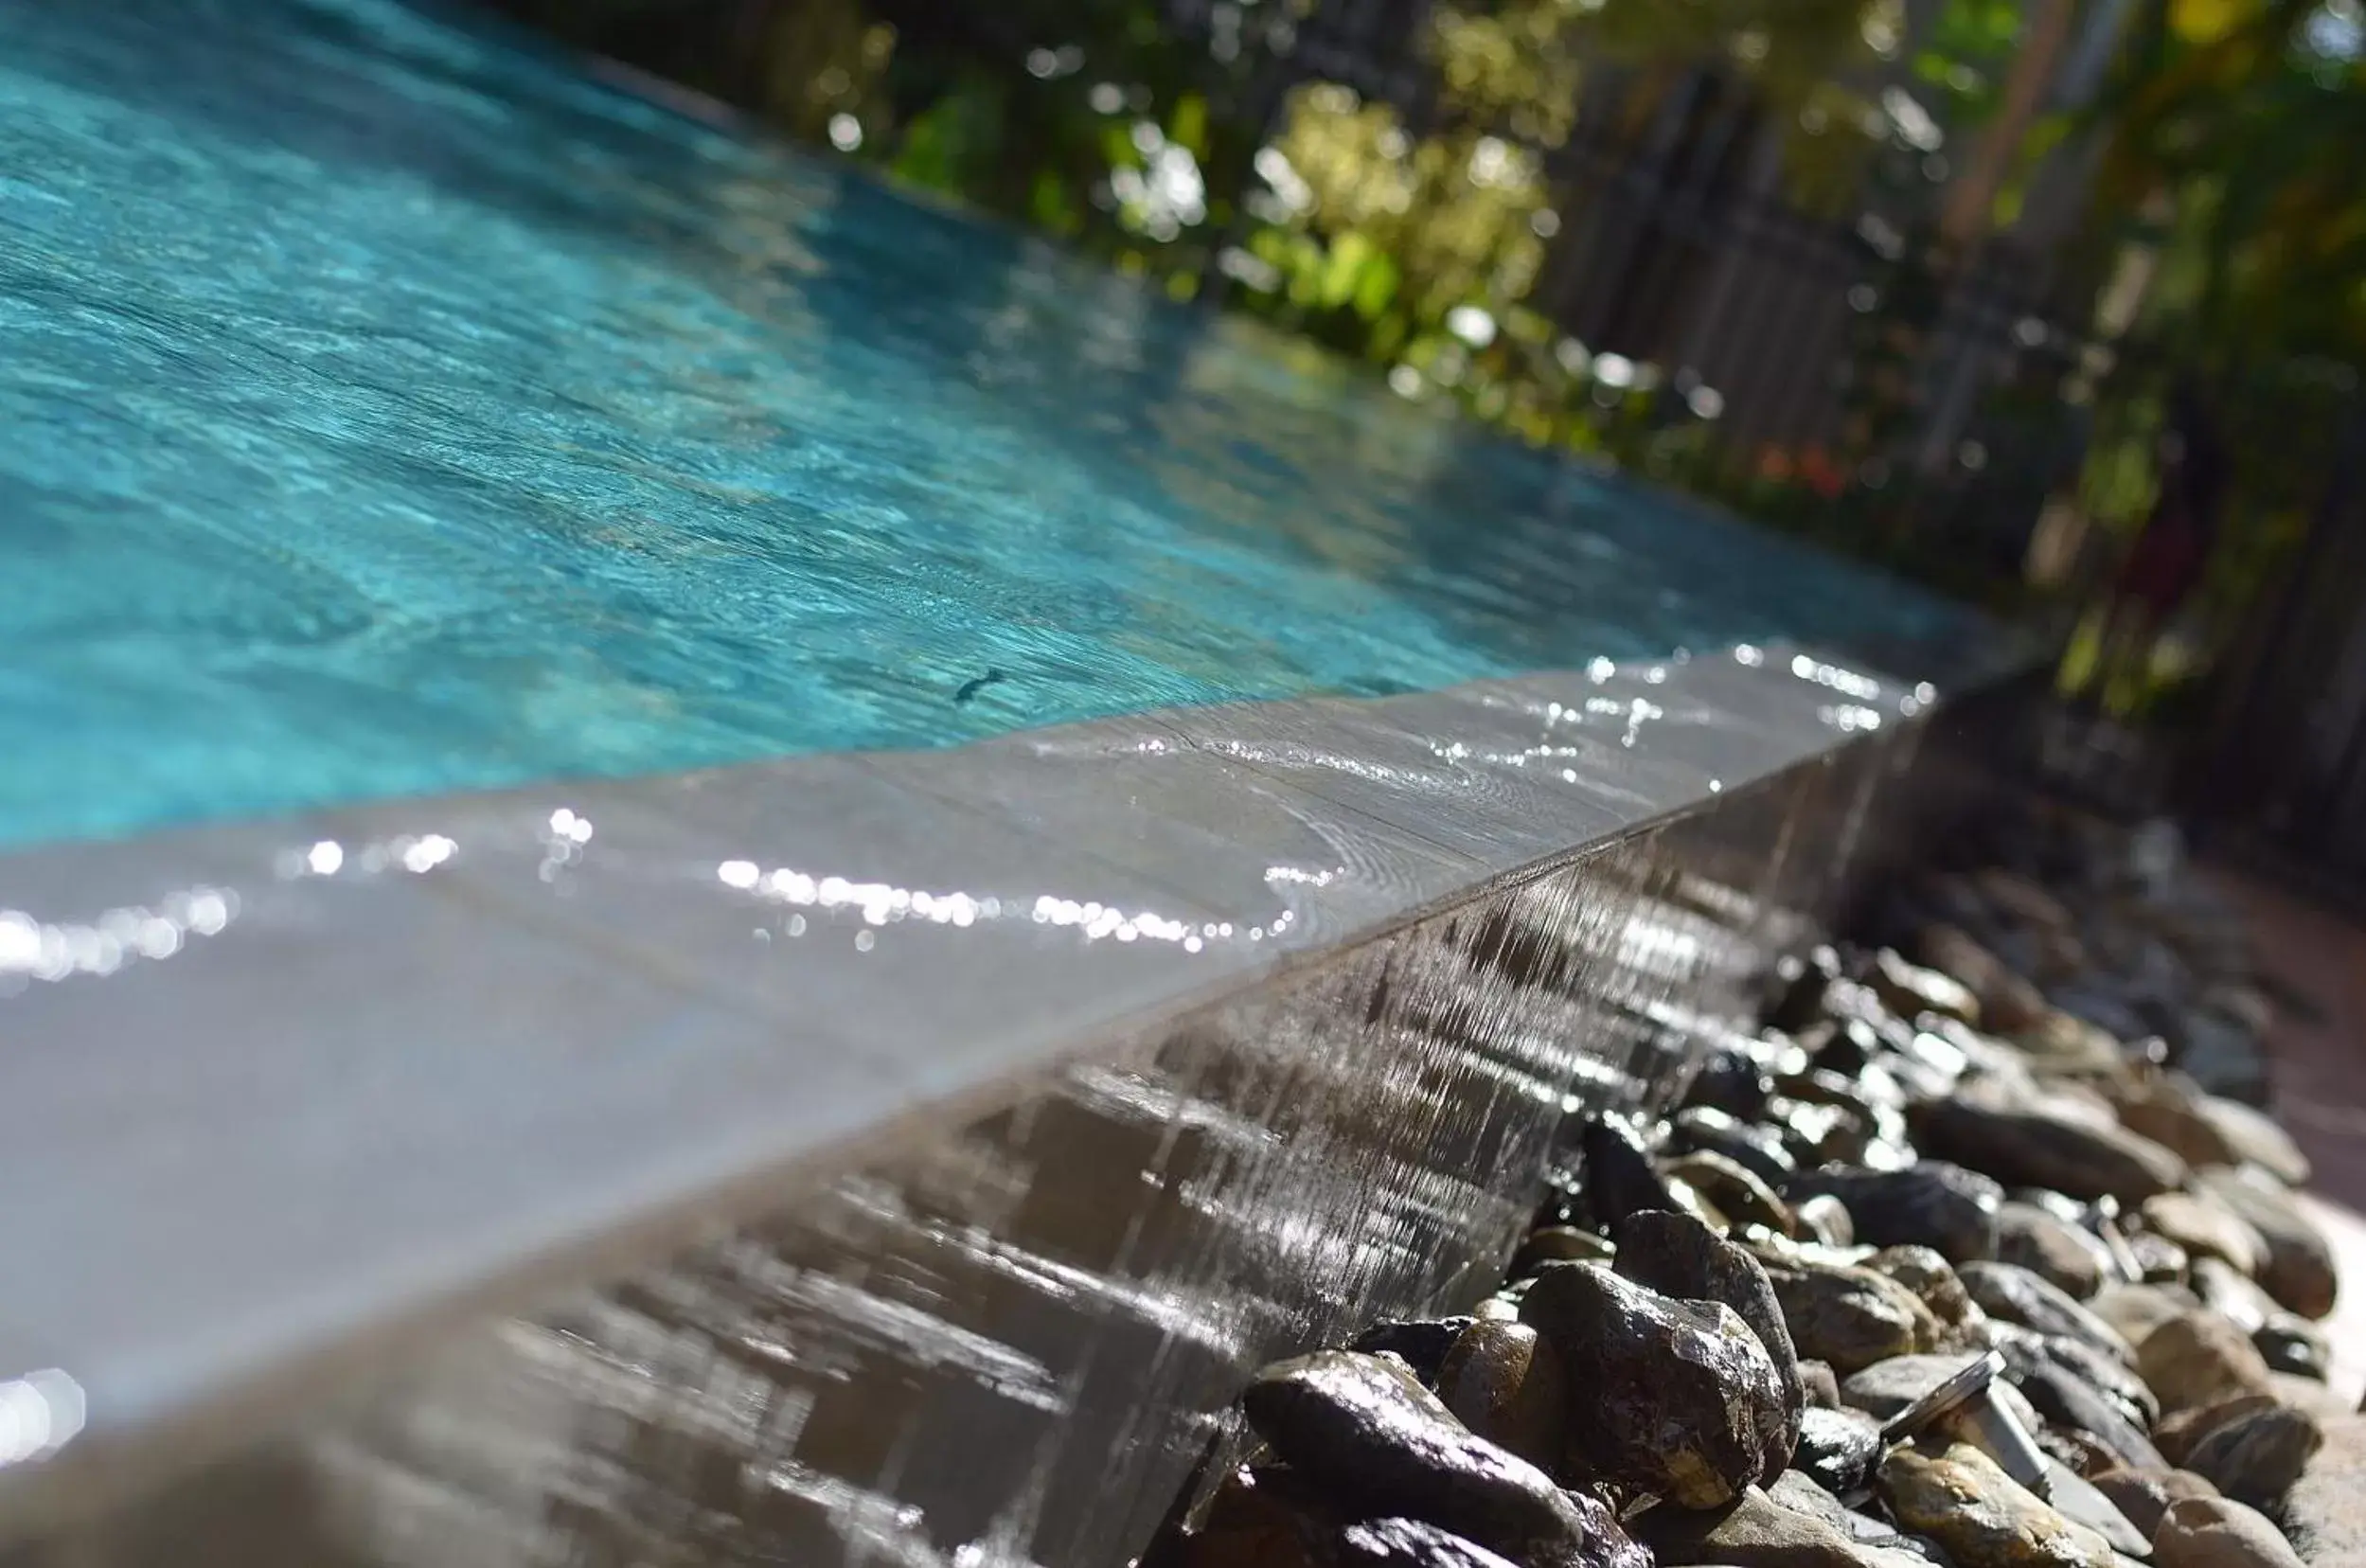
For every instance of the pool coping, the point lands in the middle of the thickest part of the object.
(290, 1095)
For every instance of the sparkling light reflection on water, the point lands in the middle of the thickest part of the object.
(385, 409)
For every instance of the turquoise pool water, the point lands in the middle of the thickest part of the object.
(385, 408)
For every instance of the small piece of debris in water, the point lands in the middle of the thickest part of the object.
(971, 688)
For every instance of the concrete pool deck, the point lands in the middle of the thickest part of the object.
(297, 1095)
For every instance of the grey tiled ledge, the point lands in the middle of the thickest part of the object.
(284, 1097)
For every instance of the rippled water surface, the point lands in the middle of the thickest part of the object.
(387, 408)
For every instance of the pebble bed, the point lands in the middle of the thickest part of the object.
(1932, 1269)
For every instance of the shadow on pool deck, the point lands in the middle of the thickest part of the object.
(2317, 1051)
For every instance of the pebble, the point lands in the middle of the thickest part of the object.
(1837, 1448)
(1420, 1345)
(1825, 1219)
(2107, 1374)
(1730, 1080)
(2043, 1146)
(1982, 1517)
(2215, 1532)
(1758, 1149)
(1679, 1398)
(2143, 1495)
(2298, 1270)
(2179, 1431)
(2060, 1394)
(2325, 1513)
(1254, 1521)
(2197, 1359)
(1909, 990)
(1933, 1204)
(1502, 1382)
(2290, 1343)
(2077, 1498)
(1850, 1317)
(1558, 1244)
(1410, 1543)
(2234, 1295)
(2065, 1254)
(1754, 1531)
(2158, 1260)
(2254, 1458)
(2136, 1311)
(1620, 1176)
(1677, 1256)
(2256, 1140)
(1802, 1495)
(2206, 1228)
(1922, 1271)
(2007, 1002)
(2019, 1296)
(1733, 1189)
(1368, 1434)
(1820, 1384)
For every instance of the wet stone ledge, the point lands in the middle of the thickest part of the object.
(999, 1215)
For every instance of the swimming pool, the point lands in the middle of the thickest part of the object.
(387, 409)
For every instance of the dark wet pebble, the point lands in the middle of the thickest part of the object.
(1729, 1081)
(2255, 1459)
(2107, 1374)
(1932, 1204)
(1264, 1520)
(2066, 1253)
(1731, 1189)
(1410, 1543)
(1677, 1256)
(1504, 1382)
(2289, 1343)
(1838, 1448)
(1680, 1399)
(1420, 1345)
(1363, 1432)
(2060, 1395)
(2034, 1146)
(1557, 1244)
(1621, 1177)
(1758, 1149)
(2017, 1296)
(1805, 979)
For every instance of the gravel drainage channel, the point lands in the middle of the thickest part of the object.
(1926, 1272)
